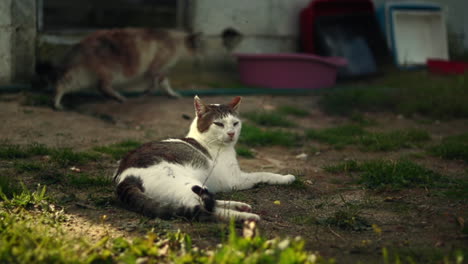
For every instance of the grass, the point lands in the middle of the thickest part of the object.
(348, 219)
(31, 232)
(65, 157)
(388, 174)
(245, 152)
(452, 148)
(292, 110)
(61, 156)
(406, 93)
(337, 136)
(353, 134)
(394, 140)
(255, 136)
(118, 150)
(9, 185)
(87, 180)
(271, 119)
(10, 151)
(422, 255)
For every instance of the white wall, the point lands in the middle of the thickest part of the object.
(17, 39)
(268, 25)
(273, 25)
(6, 35)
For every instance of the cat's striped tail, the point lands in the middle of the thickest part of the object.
(130, 192)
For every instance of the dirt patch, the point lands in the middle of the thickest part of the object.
(415, 218)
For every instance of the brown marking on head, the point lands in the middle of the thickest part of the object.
(207, 113)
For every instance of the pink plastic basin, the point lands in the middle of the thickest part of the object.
(293, 71)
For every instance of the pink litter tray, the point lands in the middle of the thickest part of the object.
(289, 71)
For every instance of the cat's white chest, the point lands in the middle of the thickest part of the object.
(224, 172)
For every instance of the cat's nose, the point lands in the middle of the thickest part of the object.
(231, 134)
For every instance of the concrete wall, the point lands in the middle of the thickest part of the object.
(268, 25)
(273, 25)
(17, 40)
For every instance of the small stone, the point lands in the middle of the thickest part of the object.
(302, 156)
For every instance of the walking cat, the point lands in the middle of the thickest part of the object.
(116, 56)
(178, 177)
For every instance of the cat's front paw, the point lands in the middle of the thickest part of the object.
(289, 178)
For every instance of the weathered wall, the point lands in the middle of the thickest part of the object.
(273, 25)
(17, 40)
(6, 35)
(268, 25)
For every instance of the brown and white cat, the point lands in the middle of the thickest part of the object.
(178, 177)
(109, 57)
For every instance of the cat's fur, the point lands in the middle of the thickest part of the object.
(116, 56)
(178, 177)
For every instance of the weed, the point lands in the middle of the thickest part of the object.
(118, 150)
(37, 100)
(36, 236)
(405, 93)
(65, 157)
(244, 152)
(337, 136)
(453, 148)
(354, 134)
(28, 166)
(9, 185)
(392, 174)
(254, 136)
(347, 167)
(348, 219)
(393, 140)
(292, 110)
(298, 184)
(269, 119)
(11, 151)
(360, 119)
(422, 255)
(304, 220)
(86, 180)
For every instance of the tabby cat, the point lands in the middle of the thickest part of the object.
(107, 58)
(178, 177)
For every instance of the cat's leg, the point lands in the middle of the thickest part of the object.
(238, 206)
(155, 80)
(248, 180)
(105, 86)
(164, 83)
(228, 214)
(59, 92)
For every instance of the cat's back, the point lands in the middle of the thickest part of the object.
(184, 151)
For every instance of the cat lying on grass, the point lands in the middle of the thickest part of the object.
(109, 57)
(178, 177)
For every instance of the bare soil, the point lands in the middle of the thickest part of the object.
(411, 218)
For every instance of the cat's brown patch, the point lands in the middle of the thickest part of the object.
(173, 152)
(106, 49)
(213, 112)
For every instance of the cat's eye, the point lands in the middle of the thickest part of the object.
(236, 123)
(218, 124)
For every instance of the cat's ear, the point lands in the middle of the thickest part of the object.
(234, 104)
(200, 107)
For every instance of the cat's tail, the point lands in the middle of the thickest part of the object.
(130, 191)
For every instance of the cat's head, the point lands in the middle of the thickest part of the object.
(217, 123)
